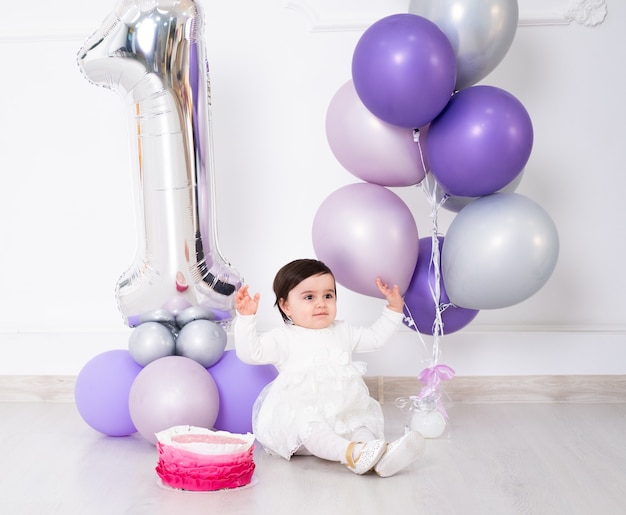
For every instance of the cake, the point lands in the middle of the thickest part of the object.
(198, 459)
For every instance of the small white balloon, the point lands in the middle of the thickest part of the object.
(150, 341)
(203, 341)
(430, 424)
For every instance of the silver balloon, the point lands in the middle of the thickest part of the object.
(203, 341)
(481, 32)
(498, 251)
(152, 53)
(151, 341)
(158, 315)
(193, 313)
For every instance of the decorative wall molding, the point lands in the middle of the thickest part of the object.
(354, 15)
(45, 34)
(321, 15)
(587, 12)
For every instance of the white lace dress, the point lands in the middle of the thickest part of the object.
(317, 382)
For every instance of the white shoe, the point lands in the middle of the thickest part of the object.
(400, 453)
(367, 458)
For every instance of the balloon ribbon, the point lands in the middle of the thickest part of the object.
(429, 398)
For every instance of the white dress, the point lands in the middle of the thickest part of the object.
(318, 383)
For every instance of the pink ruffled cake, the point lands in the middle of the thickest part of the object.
(198, 459)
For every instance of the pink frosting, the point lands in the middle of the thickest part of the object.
(187, 470)
(215, 439)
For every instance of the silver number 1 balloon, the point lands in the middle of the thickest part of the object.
(152, 53)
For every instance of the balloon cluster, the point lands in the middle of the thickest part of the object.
(411, 115)
(176, 371)
(192, 333)
(117, 396)
(180, 289)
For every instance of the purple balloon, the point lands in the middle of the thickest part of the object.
(363, 231)
(238, 384)
(404, 70)
(370, 149)
(102, 389)
(480, 142)
(419, 298)
(172, 391)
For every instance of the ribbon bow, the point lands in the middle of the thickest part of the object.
(429, 397)
(432, 376)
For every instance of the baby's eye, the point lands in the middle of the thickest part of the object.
(308, 297)
(329, 296)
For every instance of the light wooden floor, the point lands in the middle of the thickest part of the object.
(496, 458)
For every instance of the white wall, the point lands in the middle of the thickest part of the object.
(67, 209)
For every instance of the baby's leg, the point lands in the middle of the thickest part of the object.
(324, 443)
(360, 457)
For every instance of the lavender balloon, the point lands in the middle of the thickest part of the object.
(363, 231)
(239, 385)
(370, 149)
(419, 297)
(172, 391)
(480, 142)
(102, 389)
(499, 250)
(404, 70)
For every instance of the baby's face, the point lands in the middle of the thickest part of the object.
(312, 303)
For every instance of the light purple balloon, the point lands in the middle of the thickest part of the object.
(404, 70)
(102, 389)
(172, 391)
(363, 231)
(480, 142)
(498, 251)
(369, 148)
(419, 297)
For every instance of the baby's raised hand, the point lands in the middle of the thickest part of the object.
(394, 299)
(245, 304)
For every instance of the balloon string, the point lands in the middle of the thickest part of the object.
(430, 189)
(429, 398)
(410, 322)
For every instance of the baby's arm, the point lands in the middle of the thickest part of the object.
(251, 347)
(395, 302)
(245, 304)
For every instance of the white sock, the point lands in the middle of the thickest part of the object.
(324, 443)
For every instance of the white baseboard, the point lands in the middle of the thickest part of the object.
(511, 389)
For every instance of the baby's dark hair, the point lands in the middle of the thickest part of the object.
(292, 274)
